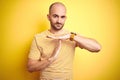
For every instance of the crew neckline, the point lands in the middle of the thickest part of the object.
(55, 34)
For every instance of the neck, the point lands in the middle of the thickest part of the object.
(56, 31)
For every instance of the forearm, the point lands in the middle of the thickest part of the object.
(38, 65)
(87, 43)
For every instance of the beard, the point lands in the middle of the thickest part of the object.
(57, 26)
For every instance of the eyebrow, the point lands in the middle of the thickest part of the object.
(55, 15)
(58, 15)
(63, 16)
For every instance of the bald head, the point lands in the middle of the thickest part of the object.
(57, 16)
(56, 5)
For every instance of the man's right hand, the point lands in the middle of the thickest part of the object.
(38, 65)
(56, 51)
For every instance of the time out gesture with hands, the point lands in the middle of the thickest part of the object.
(82, 42)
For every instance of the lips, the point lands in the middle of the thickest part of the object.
(58, 25)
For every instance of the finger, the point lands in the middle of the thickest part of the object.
(57, 50)
(51, 59)
(58, 46)
(65, 36)
(59, 43)
(52, 37)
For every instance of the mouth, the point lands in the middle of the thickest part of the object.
(58, 25)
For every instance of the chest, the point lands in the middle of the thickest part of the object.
(47, 46)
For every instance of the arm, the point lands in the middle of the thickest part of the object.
(87, 43)
(83, 42)
(38, 65)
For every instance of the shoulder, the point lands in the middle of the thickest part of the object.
(41, 34)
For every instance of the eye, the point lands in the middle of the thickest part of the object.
(55, 16)
(62, 16)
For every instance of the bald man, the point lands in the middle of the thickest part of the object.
(52, 51)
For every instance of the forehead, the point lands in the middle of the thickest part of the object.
(58, 9)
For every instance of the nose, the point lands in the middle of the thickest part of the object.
(59, 20)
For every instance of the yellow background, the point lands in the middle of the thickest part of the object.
(99, 19)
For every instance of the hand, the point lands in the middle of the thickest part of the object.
(67, 36)
(55, 52)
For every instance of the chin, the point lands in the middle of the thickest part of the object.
(59, 28)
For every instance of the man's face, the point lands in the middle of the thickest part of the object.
(57, 17)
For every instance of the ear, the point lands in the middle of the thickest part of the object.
(48, 16)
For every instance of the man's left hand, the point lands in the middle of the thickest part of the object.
(67, 36)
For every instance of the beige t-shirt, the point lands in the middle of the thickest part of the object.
(61, 68)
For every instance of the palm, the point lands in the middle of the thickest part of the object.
(56, 51)
(67, 36)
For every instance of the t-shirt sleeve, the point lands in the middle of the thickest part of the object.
(34, 52)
